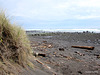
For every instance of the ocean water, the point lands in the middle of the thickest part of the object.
(67, 30)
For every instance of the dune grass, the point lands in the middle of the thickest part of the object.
(14, 45)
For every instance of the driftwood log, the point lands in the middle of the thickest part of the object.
(39, 54)
(46, 66)
(84, 47)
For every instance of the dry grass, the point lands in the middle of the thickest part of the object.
(14, 45)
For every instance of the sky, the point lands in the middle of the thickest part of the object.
(54, 14)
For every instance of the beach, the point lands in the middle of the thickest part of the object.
(56, 56)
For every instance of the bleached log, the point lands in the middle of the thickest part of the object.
(84, 47)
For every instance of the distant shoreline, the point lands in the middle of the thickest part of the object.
(65, 30)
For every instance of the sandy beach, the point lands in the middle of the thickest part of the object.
(57, 57)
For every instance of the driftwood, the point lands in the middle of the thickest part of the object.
(43, 55)
(47, 67)
(43, 64)
(39, 54)
(70, 58)
(81, 54)
(84, 47)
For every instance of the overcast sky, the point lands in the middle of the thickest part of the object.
(54, 14)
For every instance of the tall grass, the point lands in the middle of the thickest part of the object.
(14, 45)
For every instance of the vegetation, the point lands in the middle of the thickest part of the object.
(14, 46)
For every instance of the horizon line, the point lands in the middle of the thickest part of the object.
(67, 30)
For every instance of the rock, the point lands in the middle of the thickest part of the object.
(98, 56)
(81, 54)
(44, 41)
(80, 72)
(61, 49)
(49, 46)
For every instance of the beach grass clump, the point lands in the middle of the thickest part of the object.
(14, 45)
